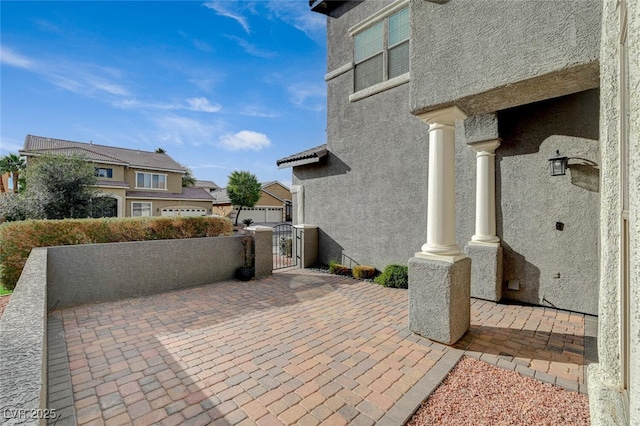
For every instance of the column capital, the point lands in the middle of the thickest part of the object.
(447, 116)
(488, 146)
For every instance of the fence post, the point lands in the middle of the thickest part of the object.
(263, 240)
(308, 247)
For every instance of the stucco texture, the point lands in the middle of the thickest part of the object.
(486, 56)
(530, 202)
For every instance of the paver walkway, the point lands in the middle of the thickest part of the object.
(299, 347)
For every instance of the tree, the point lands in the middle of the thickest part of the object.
(188, 179)
(13, 164)
(160, 151)
(58, 187)
(243, 190)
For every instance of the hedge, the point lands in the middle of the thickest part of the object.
(18, 238)
(394, 276)
(364, 272)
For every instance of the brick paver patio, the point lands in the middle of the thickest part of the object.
(299, 347)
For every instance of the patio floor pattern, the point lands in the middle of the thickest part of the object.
(299, 347)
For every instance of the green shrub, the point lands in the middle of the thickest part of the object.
(364, 272)
(338, 269)
(396, 276)
(18, 238)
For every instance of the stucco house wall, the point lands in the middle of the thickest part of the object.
(486, 56)
(369, 195)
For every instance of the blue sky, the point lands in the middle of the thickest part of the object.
(221, 85)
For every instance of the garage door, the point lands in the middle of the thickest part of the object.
(261, 214)
(183, 211)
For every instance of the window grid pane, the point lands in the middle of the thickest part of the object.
(368, 42)
(369, 73)
(399, 60)
(399, 27)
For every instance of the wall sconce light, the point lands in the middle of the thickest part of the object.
(558, 165)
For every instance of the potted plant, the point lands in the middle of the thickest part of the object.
(246, 271)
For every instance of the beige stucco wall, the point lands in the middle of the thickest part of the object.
(268, 200)
(118, 171)
(279, 191)
(174, 180)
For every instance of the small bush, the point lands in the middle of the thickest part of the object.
(18, 238)
(396, 276)
(364, 272)
(339, 269)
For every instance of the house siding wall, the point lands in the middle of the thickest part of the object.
(487, 56)
(174, 180)
(369, 198)
(279, 191)
(530, 201)
(268, 200)
(118, 171)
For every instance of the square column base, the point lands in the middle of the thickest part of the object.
(486, 271)
(439, 298)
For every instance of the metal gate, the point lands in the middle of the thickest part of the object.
(286, 246)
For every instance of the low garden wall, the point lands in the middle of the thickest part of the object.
(91, 273)
(64, 276)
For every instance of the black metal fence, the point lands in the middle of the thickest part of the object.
(286, 243)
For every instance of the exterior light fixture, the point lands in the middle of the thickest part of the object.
(558, 165)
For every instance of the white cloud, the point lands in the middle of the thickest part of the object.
(252, 49)
(245, 140)
(308, 96)
(173, 129)
(203, 105)
(255, 111)
(202, 45)
(298, 15)
(221, 10)
(9, 57)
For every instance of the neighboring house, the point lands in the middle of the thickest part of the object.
(141, 183)
(274, 204)
(207, 184)
(442, 120)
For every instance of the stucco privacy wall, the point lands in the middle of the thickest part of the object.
(605, 382)
(91, 273)
(23, 347)
(486, 56)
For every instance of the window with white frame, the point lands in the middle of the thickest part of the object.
(140, 209)
(381, 51)
(151, 180)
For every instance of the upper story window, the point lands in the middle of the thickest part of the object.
(381, 51)
(151, 180)
(104, 173)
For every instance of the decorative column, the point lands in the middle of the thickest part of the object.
(440, 274)
(485, 193)
(297, 192)
(441, 193)
(484, 250)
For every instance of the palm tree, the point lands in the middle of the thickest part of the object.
(2, 172)
(13, 164)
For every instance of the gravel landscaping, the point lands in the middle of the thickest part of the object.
(477, 393)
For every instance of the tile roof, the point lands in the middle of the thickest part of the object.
(310, 156)
(34, 145)
(206, 184)
(199, 194)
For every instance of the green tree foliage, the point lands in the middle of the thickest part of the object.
(14, 164)
(188, 179)
(243, 190)
(57, 187)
